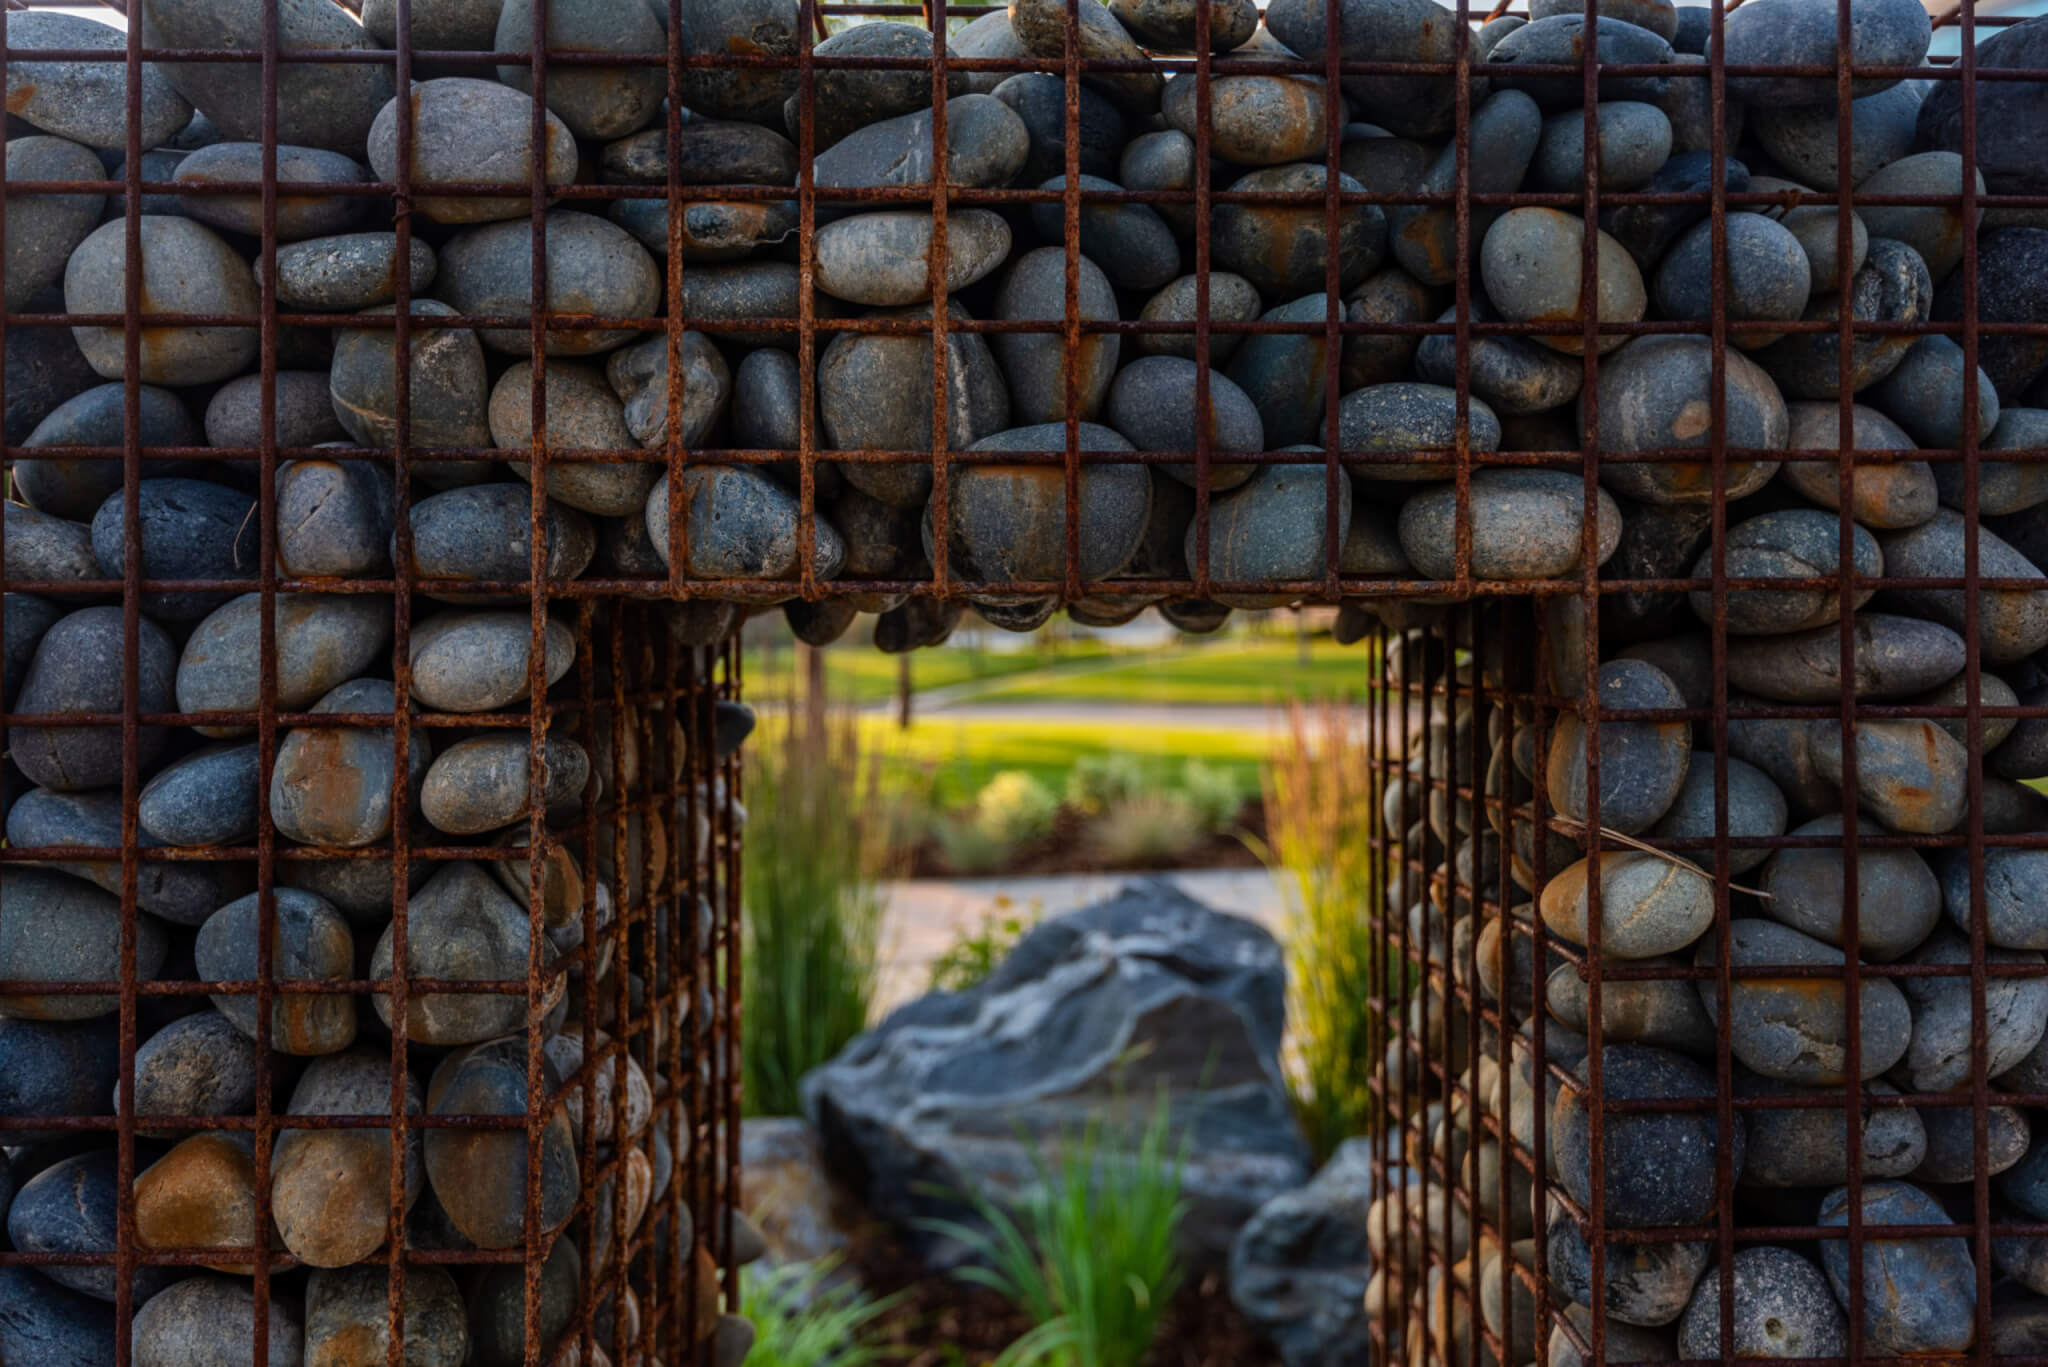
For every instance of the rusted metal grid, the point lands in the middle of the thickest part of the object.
(653, 973)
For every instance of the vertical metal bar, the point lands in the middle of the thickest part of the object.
(942, 408)
(806, 297)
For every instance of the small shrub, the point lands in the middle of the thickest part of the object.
(1098, 782)
(975, 953)
(1151, 828)
(1213, 794)
(1089, 1256)
(968, 848)
(1014, 807)
(803, 1319)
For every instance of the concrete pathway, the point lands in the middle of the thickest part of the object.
(926, 915)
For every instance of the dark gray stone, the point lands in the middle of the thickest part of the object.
(1658, 1166)
(86, 102)
(44, 367)
(1665, 1012)
(1411, 106)
(1531, 261)
(309, 939)
(1894, 656)
(75, 488)
(1796, 543)
(56, 1068)
(1232, 299)
(1164, 160)
(2015, 1015)
(197, 1065)
(2003, 487)
(766, 28)
(1642, 764)
(321, 640)
(875, 393)
(334, 517)
(767, 390)
(1285, 374)
(594, 267)
(1405, 418)
(1885, 496)
(46, 1325)
(42, 548)
(1658, 16)
(583, 414)
(1513, 375)
(490, 1079)
(1802, 137)
(300, 214)
(184, 893)
(481, 784)
(1039, 99)
(1633, 140)
(955, 1054)
(462, 927)
(1818, 228)
(883, 259)
(713, 152)
(1783, 1309)
(325, 1184)
(1935, 231)
(43, 229)
(2012, 623)
(1807, 1146)
(1766, 278)
(497, 1306)
(1168, 26)
(1657, 393)
(1898, 900)
(1299, 1267)
(1008, 522)
(189, 269)
(1274, 526)
(1132, 243)
(212, 1319)
(1041, 27)
(1646, 231)
(466, 130)
(1389, 295)
(60, 929)
(1952, 1153)
(190, 529)
(986, 146)
(2015, 895)
(1647, 1284)
(483, 532)
(1034, 363)
(1803, 32)
(1561, 39)
(319, 104)
(596, 102)
(1892, 286)
(1795, 1029)
(1925, 394)
(742, 525)
(73, 1206)
(1756, 809)
(1505, 133)
(1525, 524)
(1283, 250)
(207, 798)
(477, 661)
(350, 273)
(1254, 120)
(1152, 403)
(639, 376)
(69, 673)
(450, 393)
(1920, 1294)
(304, 413)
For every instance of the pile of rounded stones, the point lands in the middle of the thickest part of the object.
(1662, 1024)
(737, 280)
(205, 1061)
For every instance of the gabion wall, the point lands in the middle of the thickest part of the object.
(369, 903)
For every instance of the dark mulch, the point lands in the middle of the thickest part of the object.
(941, 1322)
(1068, 850)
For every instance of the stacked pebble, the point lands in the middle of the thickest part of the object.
(205, 1065)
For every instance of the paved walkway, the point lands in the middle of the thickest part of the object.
(925, 915)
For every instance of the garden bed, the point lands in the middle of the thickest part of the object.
(1067, 849)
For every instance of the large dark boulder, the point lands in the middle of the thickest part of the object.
(1299, 1269)
(1092, 1017)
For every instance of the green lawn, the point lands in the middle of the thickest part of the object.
(1257, 673)
(856, 672)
